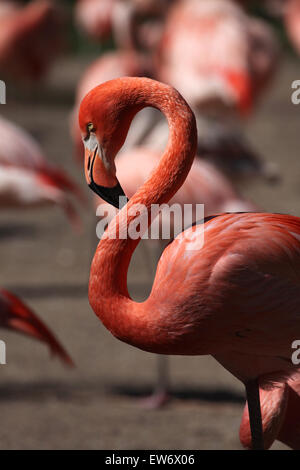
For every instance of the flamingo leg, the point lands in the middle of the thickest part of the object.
(160, 395)
(252, 393)
(161, 390)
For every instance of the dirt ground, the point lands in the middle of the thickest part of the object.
(95, 406)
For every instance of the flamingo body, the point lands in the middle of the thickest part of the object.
(30, 39)
(229, 56)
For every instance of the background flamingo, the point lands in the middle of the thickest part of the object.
(216, 55)
(243, 278)
(221, 142)
(101, 18)
(27, 179)
(30, 39)
(16, 316)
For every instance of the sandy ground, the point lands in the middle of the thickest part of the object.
(46, 406)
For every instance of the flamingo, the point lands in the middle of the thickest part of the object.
(235, 297)
(204, 183)
(16, 316)
(27, 179)
(216, 55)
(30, 39)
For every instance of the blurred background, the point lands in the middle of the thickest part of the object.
(234, 62)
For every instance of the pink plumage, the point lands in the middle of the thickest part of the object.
(229, 56)
(30, 39)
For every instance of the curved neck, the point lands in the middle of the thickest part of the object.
(108, 279)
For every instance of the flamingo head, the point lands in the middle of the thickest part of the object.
(104, 121)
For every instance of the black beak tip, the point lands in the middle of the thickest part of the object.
(114, 196)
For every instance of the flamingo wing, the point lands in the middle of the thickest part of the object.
(15, 315)
(236, 290)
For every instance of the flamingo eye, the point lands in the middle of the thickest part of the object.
(89, 128)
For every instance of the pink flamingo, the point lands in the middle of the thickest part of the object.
(216, 55)
(27, 179)
(30, 39)
(16, 316)
(235, 297)
(204, 183)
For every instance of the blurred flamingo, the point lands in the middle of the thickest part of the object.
(27, 179)
(216, 55)
(221, 142)
(101, 18)
(30, 38)
(235, 296)
(16, 316)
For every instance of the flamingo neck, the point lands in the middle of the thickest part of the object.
(108, 292)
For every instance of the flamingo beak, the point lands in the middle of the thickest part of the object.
(101, 182)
